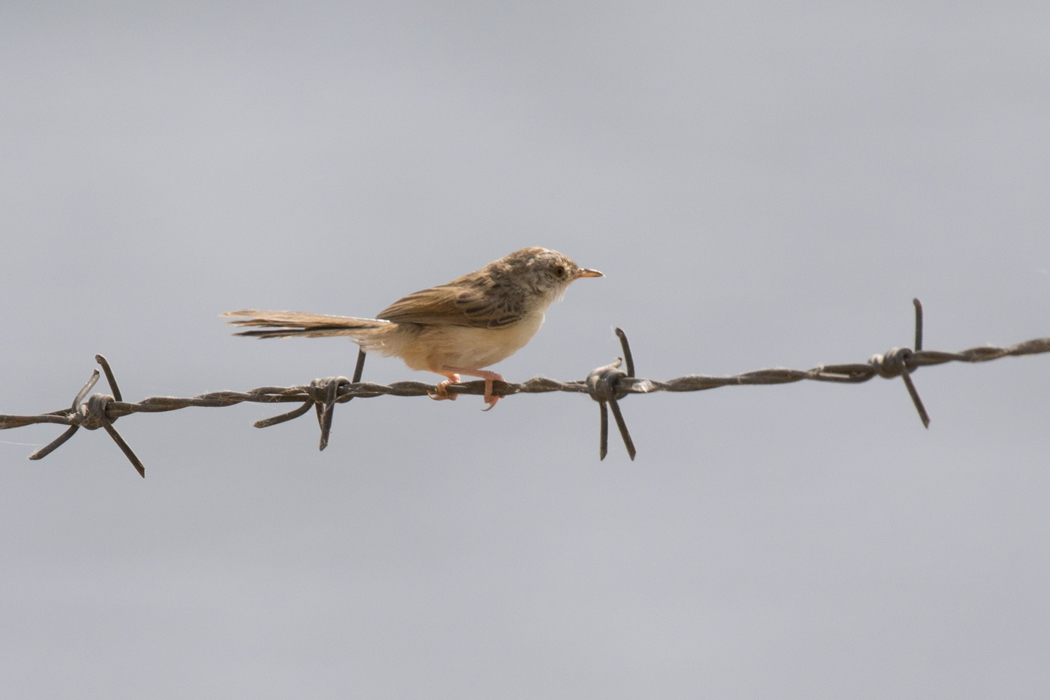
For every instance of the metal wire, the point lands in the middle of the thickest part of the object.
(607, 385)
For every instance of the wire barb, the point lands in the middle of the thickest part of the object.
(326, 391)
(603, 384)
(606, 385)
(918, 324)
(898, 361)
(91, 415)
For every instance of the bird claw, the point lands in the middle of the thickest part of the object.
(441, 393)
(489, 377)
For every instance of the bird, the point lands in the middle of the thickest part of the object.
(456, 328)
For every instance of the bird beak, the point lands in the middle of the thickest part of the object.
(589, 273)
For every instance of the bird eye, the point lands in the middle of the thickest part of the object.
(559, 270)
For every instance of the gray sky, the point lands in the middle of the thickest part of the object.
(763, 186)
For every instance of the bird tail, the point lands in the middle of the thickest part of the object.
(289, 324)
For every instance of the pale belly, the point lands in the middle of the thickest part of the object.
(434, 348)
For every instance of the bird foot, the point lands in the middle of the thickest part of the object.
(441, 393)
(489, 377)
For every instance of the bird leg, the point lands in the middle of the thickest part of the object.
(488, 376)
(442, 393)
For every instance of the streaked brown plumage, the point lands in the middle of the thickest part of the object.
(456, 328)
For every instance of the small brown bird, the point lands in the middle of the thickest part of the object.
(456, 328)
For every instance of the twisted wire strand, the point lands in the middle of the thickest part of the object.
(606, 385)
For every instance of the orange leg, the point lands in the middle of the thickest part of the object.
(488, 376)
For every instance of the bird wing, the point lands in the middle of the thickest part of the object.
(458, 303)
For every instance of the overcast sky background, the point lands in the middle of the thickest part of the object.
(763, 185)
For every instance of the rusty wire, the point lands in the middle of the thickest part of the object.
(607, 385)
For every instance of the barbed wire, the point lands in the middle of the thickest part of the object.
(607, 385)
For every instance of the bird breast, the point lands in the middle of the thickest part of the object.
(436, 347)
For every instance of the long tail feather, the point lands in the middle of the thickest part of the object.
(288, 324)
